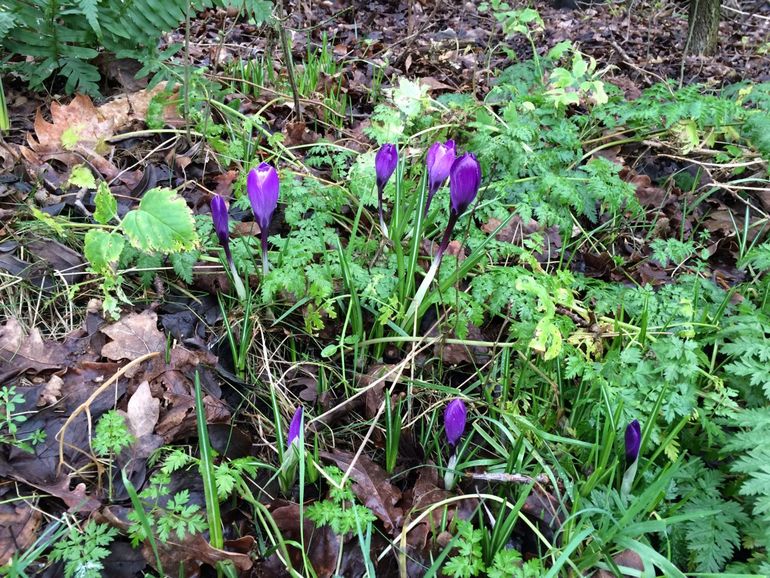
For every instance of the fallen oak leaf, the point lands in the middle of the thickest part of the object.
(132, 336)
(77, 500)
(85, 406)
(20, 353)
(77, 130)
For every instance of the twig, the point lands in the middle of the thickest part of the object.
(289, 61)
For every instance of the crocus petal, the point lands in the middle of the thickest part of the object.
(262, 187)
(385, 162)
(464, 182)
(454, 420)
(219, 216)
(294, 427)
(439, 161)
(633, 440)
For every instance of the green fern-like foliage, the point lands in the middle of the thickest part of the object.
(63, 37)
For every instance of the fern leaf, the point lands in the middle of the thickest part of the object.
(89, 10)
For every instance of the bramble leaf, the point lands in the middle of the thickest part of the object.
(103, 249)
(106, 205)
(162, 223)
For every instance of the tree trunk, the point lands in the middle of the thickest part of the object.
(703, 27)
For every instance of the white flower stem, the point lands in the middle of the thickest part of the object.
(240, 290)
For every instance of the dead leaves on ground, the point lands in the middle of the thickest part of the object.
(79, 132)
(71, 387)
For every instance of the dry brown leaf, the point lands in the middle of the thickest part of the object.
(323, 546)
(128, 108)
(79, 122)
(50, 392)
(18, 528)
(78, 118)
(625, 559)
(133, 336)
(77, 500)
(193, 551)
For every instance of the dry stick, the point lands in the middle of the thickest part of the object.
(386, 399)
(540, 479)
(86, 405)
(289, 61)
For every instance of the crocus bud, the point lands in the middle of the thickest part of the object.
(439, 162)
(262, 188)
(294, 427)
(464, 182)
(219, 216)
(454, 420)
(633, 441)
(385, 162)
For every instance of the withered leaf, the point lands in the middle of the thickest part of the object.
(323, 547)
(193, 551)
(78, 130)
(625, 559)
(143, 411)
(18, 527)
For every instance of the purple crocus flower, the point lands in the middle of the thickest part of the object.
(221, 226)
(464, 182)
(294, 427)
(262, 187)
(633, 441)
(454, 420)
(385, 162)
(439, 162)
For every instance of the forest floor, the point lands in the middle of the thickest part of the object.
(612, 269)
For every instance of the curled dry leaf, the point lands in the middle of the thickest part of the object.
(20, 353)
